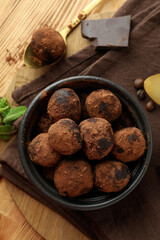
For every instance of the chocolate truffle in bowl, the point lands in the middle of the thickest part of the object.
(44, 123)
(73, 178)
(47, 44)
(130, 144)
(98, 138)
(111, 176)
(41, 153)
(103, 104)
(64, 103)
(65, 137)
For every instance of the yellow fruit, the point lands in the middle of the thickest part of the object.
(152, 87)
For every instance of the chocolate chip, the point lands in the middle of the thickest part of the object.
(122, 173)
(119, 149)
(150, 106)
(138, 83)
(133, 137)
(104, 144)
(92, 120)
(141, 94)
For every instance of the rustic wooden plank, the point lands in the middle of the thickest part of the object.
(49, 224)
(12, 224)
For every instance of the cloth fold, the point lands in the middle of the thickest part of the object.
(136, 216)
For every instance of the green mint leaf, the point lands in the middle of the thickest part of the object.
(6, 129)
(6, 132)
(13, 114)
(4, 106)
(3, 102)
(3, 109)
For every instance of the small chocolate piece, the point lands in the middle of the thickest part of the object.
(138, 83)
(141, 94)
(107, 33)
(150, 106)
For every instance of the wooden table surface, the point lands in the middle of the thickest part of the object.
(18, 19)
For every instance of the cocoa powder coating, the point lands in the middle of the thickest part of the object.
(65, 137)
(64, 103)
(103, 104)
(130, 144)
(98, 138)
(47, 44)
(111, 176)
(41, 153)
(44, 123)
(73, 178)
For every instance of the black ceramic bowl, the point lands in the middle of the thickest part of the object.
(94, 199)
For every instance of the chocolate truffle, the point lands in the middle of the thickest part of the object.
(98, 138)
(73, 178)
(41, 153)
(129, 145)
(64, 103)
(44, 123)
(111, 176)
(65, 137)
(103, 104)
(47, 44)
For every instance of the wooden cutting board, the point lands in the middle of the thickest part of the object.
(46, 222)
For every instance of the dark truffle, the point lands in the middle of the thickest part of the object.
(41, 153)
(111, 176)
(130, 144)
(64, 103)
(73, 178)
(65, 137)
(103, 104)
(98, 138)
(47, 44)
(44, 123)
(122, 122)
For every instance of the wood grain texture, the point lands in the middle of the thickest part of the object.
(12, 224)
(48, 223)
(18, 19)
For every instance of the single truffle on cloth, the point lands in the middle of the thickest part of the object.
(130, 144)
(47, 44)
(64, 103)
(65, 137)
(41, 153)
(103, 104)
(111, 176)
(73, 178)
(98, 138)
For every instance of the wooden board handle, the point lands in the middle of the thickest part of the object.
(83, 14)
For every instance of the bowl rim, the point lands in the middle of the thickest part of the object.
(76, 206)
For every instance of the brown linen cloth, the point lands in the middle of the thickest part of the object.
(137, 216)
